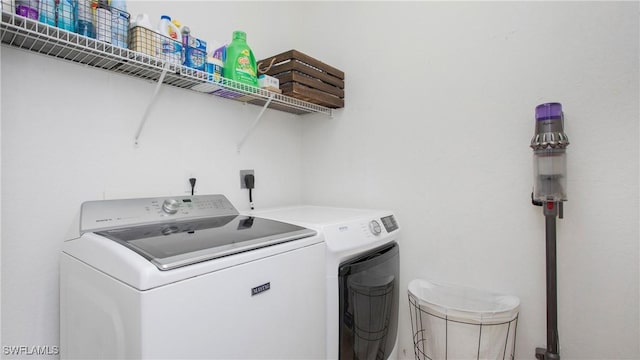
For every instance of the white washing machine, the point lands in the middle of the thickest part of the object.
(187, 278)
(362, 277)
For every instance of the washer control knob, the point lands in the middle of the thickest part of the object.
(375, 228)
(170, 206)
(168, 230)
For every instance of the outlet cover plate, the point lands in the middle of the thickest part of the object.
(242, 174)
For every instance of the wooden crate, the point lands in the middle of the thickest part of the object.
(306, 78)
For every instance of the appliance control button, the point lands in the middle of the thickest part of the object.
(375, 228)
(168, 230)
(170, 206)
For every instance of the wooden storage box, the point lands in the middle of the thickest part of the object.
(305, 78)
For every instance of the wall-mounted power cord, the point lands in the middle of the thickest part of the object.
(250, 182)
(192, 181)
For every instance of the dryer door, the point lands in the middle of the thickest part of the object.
(369, 298)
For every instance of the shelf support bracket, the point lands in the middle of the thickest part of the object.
(255, 123)
(150, 104)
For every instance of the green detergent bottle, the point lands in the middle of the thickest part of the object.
(240, 64)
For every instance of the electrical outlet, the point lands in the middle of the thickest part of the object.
(242, 174)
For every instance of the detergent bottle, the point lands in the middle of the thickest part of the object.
(47, 12)
(240, 64)
(27, 8)
(172, 47)
(86, 21)
(103, 21)
(67, 15)
(119, 23)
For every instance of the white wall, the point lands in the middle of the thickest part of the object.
(439, 115)
(440, 100)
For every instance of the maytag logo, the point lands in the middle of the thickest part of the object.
(260, 289)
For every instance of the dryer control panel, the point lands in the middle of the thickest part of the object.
(107, 214)
(361, 233)
(390, 223)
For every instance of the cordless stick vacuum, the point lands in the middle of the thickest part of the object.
(549, 170)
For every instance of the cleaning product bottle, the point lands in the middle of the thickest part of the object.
(47, 12)
(143, 37)
(141, 20)
(86, 24)
(169, 29)
(186, 34)
(119, 23)
(177, 24)
(103, 21)
(172, 47)
(240, 64)
(66, 15)
(27, 8)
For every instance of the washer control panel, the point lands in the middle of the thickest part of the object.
(105, 214)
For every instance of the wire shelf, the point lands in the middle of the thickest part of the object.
(32, 35)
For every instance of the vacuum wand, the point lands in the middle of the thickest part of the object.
(549, 148)
(553, 341)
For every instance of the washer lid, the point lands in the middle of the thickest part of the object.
(173, 244)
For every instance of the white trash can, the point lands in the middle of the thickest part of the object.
(456, 323)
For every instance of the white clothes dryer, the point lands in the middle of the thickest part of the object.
(189, 277)
(362, 276)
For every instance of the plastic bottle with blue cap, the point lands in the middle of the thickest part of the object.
(172, 47)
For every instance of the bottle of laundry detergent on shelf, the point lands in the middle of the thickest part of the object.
(27, 8)
(47, 12)
(103, 21)
(86, 21)
(119, 23)
(67, 15)
(240, 64)
(171, 48)
(178, 24)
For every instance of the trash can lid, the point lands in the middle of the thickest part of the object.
(463, 303)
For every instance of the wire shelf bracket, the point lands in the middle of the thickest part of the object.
(254, 124)
(145, 116)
